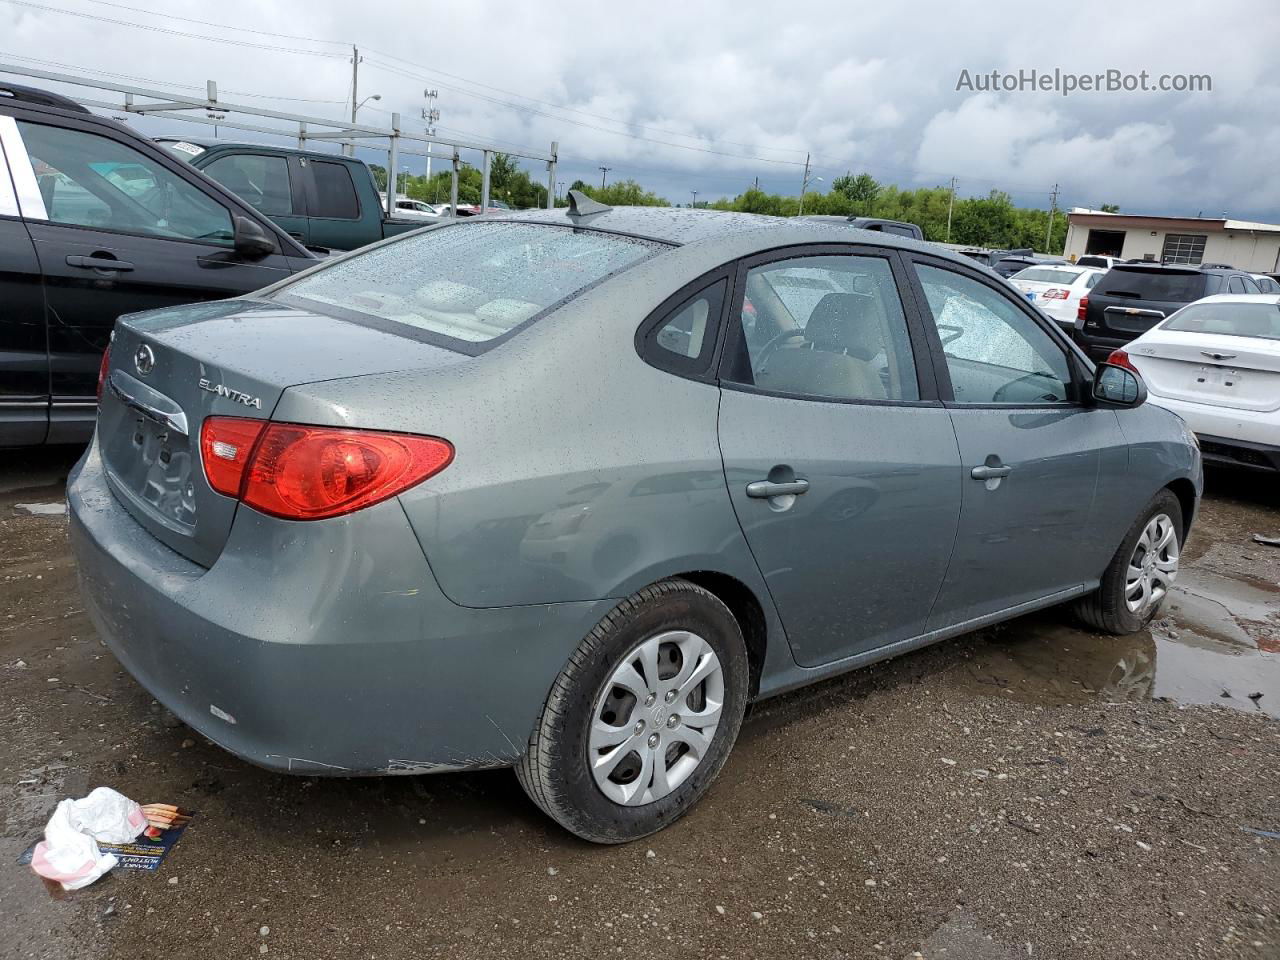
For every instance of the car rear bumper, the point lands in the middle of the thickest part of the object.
(1225, 425)
(1224, 451)
(319, 648)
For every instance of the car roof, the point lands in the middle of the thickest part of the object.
(680, 226)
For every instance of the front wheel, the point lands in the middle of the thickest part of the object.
(1142, 572)
(642, 717)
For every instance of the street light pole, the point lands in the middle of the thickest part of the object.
(695, 197)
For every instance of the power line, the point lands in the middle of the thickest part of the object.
(167, 83)
(577, 123)
(173, 33)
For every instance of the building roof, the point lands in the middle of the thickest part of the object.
(1211, 223)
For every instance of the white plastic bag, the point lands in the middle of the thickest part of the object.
(69, 852)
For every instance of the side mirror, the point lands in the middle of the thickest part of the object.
(1115, 386)
(250, 241)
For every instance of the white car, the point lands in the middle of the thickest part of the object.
(1265, 284)
(1216, 363)
(1057, 289)
(1101, 261)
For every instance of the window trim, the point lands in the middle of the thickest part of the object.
(701, 367)
(732, 344)
(313, 192)
(1077, 361)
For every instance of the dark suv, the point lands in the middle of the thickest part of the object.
(97, 221)
(1131, 298)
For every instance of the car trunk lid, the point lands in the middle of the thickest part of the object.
(170, 369)
(1209, 370)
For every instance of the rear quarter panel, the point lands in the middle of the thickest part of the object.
(581, 472)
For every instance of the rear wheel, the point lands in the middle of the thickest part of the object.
(1142, 572)
(642, 717)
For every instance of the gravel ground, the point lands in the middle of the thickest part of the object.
(1032, 790)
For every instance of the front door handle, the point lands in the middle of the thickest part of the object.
(99, 263)
(988, 472)
(764, 489)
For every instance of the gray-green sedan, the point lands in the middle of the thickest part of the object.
(566, 490)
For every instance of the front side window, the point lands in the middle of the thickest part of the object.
(88, 180)
(261, 181)
(472, 282)
(335, 192)
(829, 327)
(995, 353)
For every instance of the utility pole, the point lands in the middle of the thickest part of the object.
(756, 184)
(1053, 206)
(348, 149)
(804, 184)
(950, 205)
(604, 172)
(695, 197)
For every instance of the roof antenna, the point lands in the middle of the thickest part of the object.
(580, 205)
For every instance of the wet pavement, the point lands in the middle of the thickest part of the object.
(1031, 790)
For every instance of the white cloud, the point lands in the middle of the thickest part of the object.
(858, 86)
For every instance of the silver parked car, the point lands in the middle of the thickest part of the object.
(565, 491)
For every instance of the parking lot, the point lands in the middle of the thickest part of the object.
(1032, 790)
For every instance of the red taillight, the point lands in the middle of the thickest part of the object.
(303, 472)
(1082, 310)
(1056, 294)
(102, 369)
(1120, 358)
(226, 443)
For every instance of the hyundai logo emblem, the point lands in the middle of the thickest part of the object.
(144, 360)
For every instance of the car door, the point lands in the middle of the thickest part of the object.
(269, 182)
(841, 462)
(1031, 444)
(116, 231)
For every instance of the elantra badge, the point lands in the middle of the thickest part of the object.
(218, 390)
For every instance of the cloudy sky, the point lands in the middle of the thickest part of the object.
(710, 95)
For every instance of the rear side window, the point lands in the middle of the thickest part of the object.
(1231, 319)
(472, 282)
(682, 339)
(260, 180)
(1142, 284)
(335, 193)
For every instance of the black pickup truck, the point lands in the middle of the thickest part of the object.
(97, 221)
(320, 199)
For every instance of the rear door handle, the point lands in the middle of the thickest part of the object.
(986, 472)
(763, 489)
(99, 263)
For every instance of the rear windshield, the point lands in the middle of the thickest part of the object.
(1047, 275)
(1152, 285)
(472, 282)
(1232, 319)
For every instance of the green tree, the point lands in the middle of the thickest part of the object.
(861, 190)
(1110, 208)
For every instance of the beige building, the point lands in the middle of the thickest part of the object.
(1239, 243)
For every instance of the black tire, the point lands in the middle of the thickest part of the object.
(1105, 610)
(554, 770)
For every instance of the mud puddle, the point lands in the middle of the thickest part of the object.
(1218, 642)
